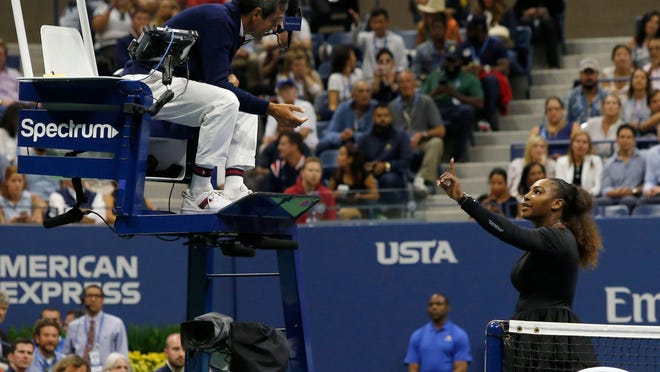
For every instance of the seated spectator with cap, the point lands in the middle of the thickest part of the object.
(458, 96)
(585, 100)
(287, 92)
(486, 57)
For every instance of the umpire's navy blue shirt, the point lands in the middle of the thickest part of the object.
(219, 27)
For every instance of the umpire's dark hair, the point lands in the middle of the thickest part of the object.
(577, 217)
(268, 7)
(441, 295)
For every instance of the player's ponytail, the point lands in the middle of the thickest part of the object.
(576, 215)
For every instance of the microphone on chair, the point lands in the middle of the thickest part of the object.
(162, 101)
(73, 215)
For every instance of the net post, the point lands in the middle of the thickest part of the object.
(494, 337)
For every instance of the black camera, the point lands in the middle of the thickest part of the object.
(156, 42)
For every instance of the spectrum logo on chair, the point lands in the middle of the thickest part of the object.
(30, 129)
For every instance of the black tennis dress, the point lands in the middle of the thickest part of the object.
(545, 277)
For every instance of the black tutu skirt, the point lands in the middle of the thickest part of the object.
(523, 352)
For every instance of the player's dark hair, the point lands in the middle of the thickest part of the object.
(576, 215)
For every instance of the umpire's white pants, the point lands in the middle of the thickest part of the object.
(227, 137)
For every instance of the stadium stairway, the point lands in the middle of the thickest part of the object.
(492, 149)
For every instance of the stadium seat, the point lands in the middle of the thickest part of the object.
(321, 126)
(64, 53)
(317, 40)
(647, 210)
(409, 38)
(616, 211)
(340, 38)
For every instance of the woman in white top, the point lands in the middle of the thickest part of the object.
(618, 76)
(536, 150)
(635, 107)
(604, 127)
(344, 75)
(579, 166)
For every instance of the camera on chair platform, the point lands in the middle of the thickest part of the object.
(164, 45)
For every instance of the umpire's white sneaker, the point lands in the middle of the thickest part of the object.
(206, 202)
(236, 194)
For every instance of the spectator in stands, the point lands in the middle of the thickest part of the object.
(38, 184)
(648, 126)
(635, 107)
(21, 355)
(536, 151)
(343, 77)
(111, 21)
(605, 127)
(458, 95)
(69, 16)
(117, 362)
(531, 173)
(384, 84)
(431, 53)
(585, 100)
(17, 205)
(298, 68)
(71, 315)
(353, 118)
(579, 166)
(108, 329)
(416, 114)
(555, 126)
(431, 8)
(5, 346)
(175, 355)
(9, 131)
(287, 92)
(648, 30)
(46, 338)
(387, 154)
(370, 42)
(497, 13)
(54, 315)
(486, 57)
(72, 363)
(623, 173)
(499, 200)
(353, 187)
(543, 17)
(285, 170)
(651, 191)
(139, 19)
(8, 80)
(440, 345)
(309, 183)
(64, 199)
(653, 68)
(166, 10)
(616, 79)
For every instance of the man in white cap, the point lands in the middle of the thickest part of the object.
(428, 8)
(586, 100)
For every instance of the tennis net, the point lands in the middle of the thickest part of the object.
(544, 346)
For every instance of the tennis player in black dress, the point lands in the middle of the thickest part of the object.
(564, 238)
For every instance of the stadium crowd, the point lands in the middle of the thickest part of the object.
(386, 107)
